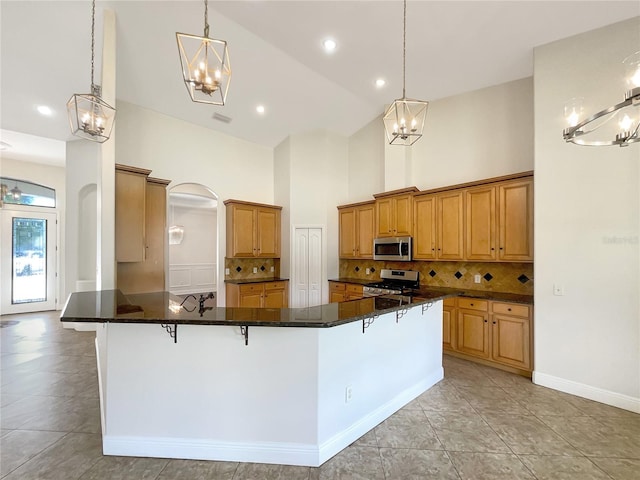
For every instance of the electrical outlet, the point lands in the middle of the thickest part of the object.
(476, 278)
(558, 289)
(226, 271)
(348, 394)
(255, 269)
(272, 269)
(368, 271)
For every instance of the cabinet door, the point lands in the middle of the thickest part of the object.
(347, 232)
(424, 228)
(364, 231)
(241, 229)
(268, 233)
(448, 327)
(251, 295)
(450, 226)
(403, 215)
(473, 333)
(130, 190)
(515, 211)
(275, 298)
(511, 341)
(480, 209)
(384, 218)
(337, 292)
(337, 297)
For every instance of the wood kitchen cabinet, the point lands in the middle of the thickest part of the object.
(424, 227)
(450, 225)
(480, 214)
(394, 213)
(148, 275)
(490, 332)
(356, 230)
(341, 292)
(253, 230)
(270, 294)
(473, 327)
(515, 217)
(130, 201)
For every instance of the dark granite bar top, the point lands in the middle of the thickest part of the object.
(242, 281)
(112, 306)
(426, 291)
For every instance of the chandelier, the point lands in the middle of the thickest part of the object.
(205, 65)
(616, 125)
(90, 117)
(404, 119)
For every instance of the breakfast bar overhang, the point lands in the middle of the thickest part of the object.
(289, 386)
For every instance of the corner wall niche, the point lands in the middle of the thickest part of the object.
(193, 239)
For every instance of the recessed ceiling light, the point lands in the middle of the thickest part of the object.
(380, 82)
(44, 110)
(329, 45)
(260, 109)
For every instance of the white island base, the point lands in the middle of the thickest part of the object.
(293, 396)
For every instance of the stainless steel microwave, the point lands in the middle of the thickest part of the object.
(393, 248)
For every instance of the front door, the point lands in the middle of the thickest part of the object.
(28, 261)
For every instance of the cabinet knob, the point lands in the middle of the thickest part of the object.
(492, 248)
(471, 304)
(494, 323)
(508, 309)
(486, 321)
(501, 248)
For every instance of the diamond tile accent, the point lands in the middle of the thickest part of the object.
(262, 268)
(432, 273)
(357, 269)
(457, 275)
(523, 278)
(372, 270)
(488, 277)
(238, 269)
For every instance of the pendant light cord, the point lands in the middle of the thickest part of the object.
(206, 18)
(93, 22)
(404, 48)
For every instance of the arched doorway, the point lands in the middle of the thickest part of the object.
(193, 239)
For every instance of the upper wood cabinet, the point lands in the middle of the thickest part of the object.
(130, 198)
(424, 227)
(253, 230)
(450, 225)
(356, 230)
(394, 213)
(480, 208)
(149, 274)
(515, 217)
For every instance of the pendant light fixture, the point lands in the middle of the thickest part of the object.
(16, 193)
(90, 117)
(205, 65)
(404, 119)
(616, 125)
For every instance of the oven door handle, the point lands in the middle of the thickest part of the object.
(400, 248)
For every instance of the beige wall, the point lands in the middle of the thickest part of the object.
(587, 209)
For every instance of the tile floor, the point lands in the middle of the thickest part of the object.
(478, 423)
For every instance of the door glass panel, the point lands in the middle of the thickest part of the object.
(29, 258)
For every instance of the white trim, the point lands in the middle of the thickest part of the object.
(263, 452)
(607, 397)
(324, 293)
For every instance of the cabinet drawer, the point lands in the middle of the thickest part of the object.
(275, 285)
(473, 304)
(449, 302)
(251, 288)
(517, 310)
(336, 287)
(354, 289)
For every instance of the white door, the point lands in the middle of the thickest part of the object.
(28, 261)
(307, 267)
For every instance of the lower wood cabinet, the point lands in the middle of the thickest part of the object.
(258, 295)
(489, 332)
(341, 292)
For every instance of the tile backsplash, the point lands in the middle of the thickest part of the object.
(242, 268)
(499, 277)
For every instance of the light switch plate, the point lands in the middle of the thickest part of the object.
(226, 271)
(476, 278)
(255, 269)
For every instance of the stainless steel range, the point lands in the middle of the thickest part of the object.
(393, 282)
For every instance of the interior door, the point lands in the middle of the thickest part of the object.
(307, 267)
(28, 260)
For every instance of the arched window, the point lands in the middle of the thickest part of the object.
(21, 192)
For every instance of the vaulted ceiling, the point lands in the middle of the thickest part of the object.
(277, 57)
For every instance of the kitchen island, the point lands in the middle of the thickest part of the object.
(179, 379)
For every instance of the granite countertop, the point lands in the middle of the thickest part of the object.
(426, 291)
(242, 281)
(112, 306)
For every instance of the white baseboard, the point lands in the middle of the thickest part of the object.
(607, 397)
(263, 452)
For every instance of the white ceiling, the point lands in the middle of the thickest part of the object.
(276, 57)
